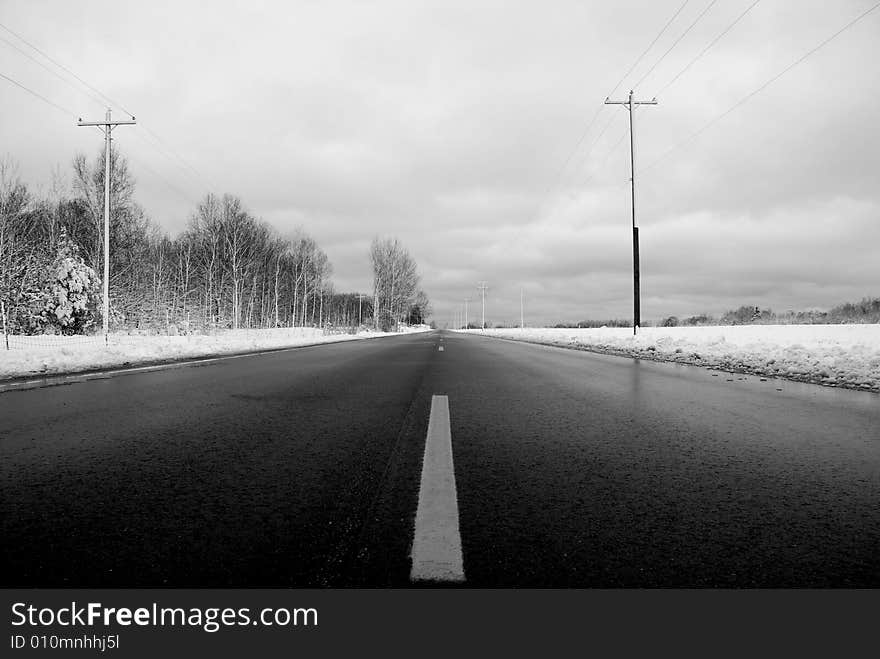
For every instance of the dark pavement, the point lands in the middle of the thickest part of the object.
(302, 468)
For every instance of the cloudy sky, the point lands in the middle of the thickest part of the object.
(459, 127)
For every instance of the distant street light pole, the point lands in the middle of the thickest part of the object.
(107, 126)
(466, 319)
(483, 287)
(632, 163)
(522, 322)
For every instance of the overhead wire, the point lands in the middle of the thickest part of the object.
(557, 180)
(651, 45)
(593, 145)
(608, 154)
(174, 155)
(614, 89)
(671, 47)
(64, 68)
(143, 137)
(169, 184)
(98, 96)
(63, 109)
(758, 90)
(72, 114)
(52, 71)
(676, 42)
(707, 48)
(632, 67)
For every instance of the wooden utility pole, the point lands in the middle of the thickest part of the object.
(635, 230)
(107, 126)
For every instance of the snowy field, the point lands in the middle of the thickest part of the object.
(41, 355)
(833, 355)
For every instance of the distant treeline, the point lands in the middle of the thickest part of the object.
(589, 324)
(865, 311)
(227, 269)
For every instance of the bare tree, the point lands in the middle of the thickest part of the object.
(395, 282)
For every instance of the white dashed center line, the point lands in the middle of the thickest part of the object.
(436, 550)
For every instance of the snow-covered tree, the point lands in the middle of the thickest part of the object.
(72, 292)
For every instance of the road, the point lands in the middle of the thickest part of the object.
(571, 469)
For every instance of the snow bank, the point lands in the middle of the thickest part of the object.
(41, 355)
(833, 355)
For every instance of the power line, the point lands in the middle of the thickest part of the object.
(614, 89)
(619, 82)
(709, 46)
(52, 71)
(189, 198)
(161, 150)
(757, 91)
(73, 114)
(651, 45)
(676, 42)
(557, 180)
(598, 137)
(64, 68)
(608, 154)
(66, 111)
(69, 112)
(181, 160)
(601, 165)
(553, 207)
(168, 153)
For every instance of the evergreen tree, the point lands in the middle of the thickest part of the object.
(72, 292)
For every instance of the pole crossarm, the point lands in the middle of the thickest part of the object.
(653, 101)
(105, 123)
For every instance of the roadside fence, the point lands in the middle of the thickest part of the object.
(138, 337)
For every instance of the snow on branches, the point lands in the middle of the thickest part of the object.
(72, 291)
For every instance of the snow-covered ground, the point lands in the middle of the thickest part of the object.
(833, 355)
(40, 355)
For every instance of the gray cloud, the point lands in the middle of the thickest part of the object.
(446, 125)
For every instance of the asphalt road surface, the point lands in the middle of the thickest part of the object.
(304, 468)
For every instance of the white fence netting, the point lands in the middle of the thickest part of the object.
(57, 341)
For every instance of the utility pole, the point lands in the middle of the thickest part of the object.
(522, 322)
(632, 164)
(107, 126)
(466, 319)
(483, 287)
